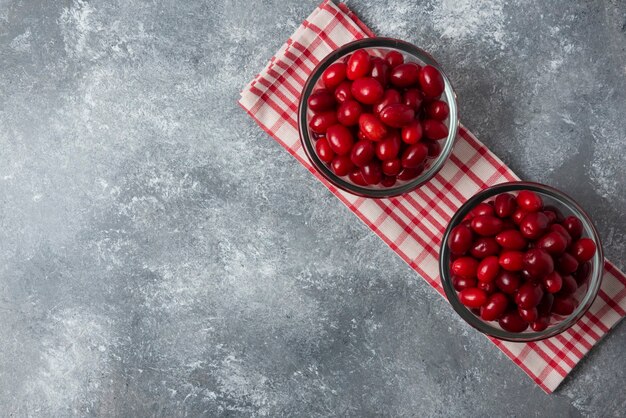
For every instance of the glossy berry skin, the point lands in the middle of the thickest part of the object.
(574, 227)
(473, 297)
(343, 92)
(362, 153)
(540, 324)
(388, 181)
(334, 74)
(583, 249)
(465, 267)
(434, 149)
(367, 90)
(321, 100)
(553, 242)
(460, 239)
(349, 112)
(511, 321)
(528, 295)
(488, 269)
(505, 205)
(405, 74)
(372, 173)
(391, 167)
(341, 165)
(406, 174)
(372, 127)
(324, 151)
(397, 115)
(388, 148)
(528, 315)
(414, 155)
(413, 98)
(508, 282)
(484, 247)
(394, 58)
(434, 129)
(486, 225)
(488, 287)
(431, 82)
(412, 133)
(534, 225)
(538, 263)
(511, 239)
(390, 97)
(553, 282)
(563, 306)
(358, 65)
(379, 71)
(320, 122)
(482, 209)
(357, 178)
(512, 260)
(518, 216)
(529, 201)
(558, 228)
(495, 307)
(438, 110)
(340, 139)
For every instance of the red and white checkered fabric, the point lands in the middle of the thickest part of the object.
(413, 224)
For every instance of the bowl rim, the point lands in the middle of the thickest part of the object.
(594, 281)
(308, 144)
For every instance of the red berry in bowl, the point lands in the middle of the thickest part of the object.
(564, 305)
(574, 227)
(438, 110)
(553, 242)
(397, 115)
(413, 98)
(405, 75)
(534, 225)
(434, 129)
(528, 295)
(484, 247)
(341, 165)
(349, 112)
(407, 173)
(561, 230)
(388, 148)
(511, 239)
(488, 269)
(495, 307)
(583, 249)
(540, 324)
(340, 139)
(391, 167)
(473, 297)
(390, 96)
(538, 263)
(504, 205)
(461, 283)
(566, 264)
(431, 82)
(412, 133)
(414, 155)
(357, 178)
(321, 100)
(528, 315)
(513, 322)
(569, 286)
(553, 282)
(512, 260)
(334, 74)
(486, 225)
(394, 58)
(388, 181)
(482, 209)
(324, 151)
(372, 127)
(460, 239)
(362, 153)
(372, 173)
(380, 71)
(529, 201)
(320, 122)
(508, 282)
(367, 90)
(465, 267)
(343, 92)
(434, 149)
(358, 65)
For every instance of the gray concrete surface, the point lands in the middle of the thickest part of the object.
(161, 256)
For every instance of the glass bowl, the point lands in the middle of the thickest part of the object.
(377, 47)
(585, 294)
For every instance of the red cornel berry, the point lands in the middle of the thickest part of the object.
(387, 114)
(520, 263)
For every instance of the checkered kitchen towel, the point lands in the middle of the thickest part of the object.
(413, 224)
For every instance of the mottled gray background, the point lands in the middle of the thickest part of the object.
(161, 256)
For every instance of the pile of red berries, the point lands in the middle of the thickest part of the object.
(519, 262)
(378, 120)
